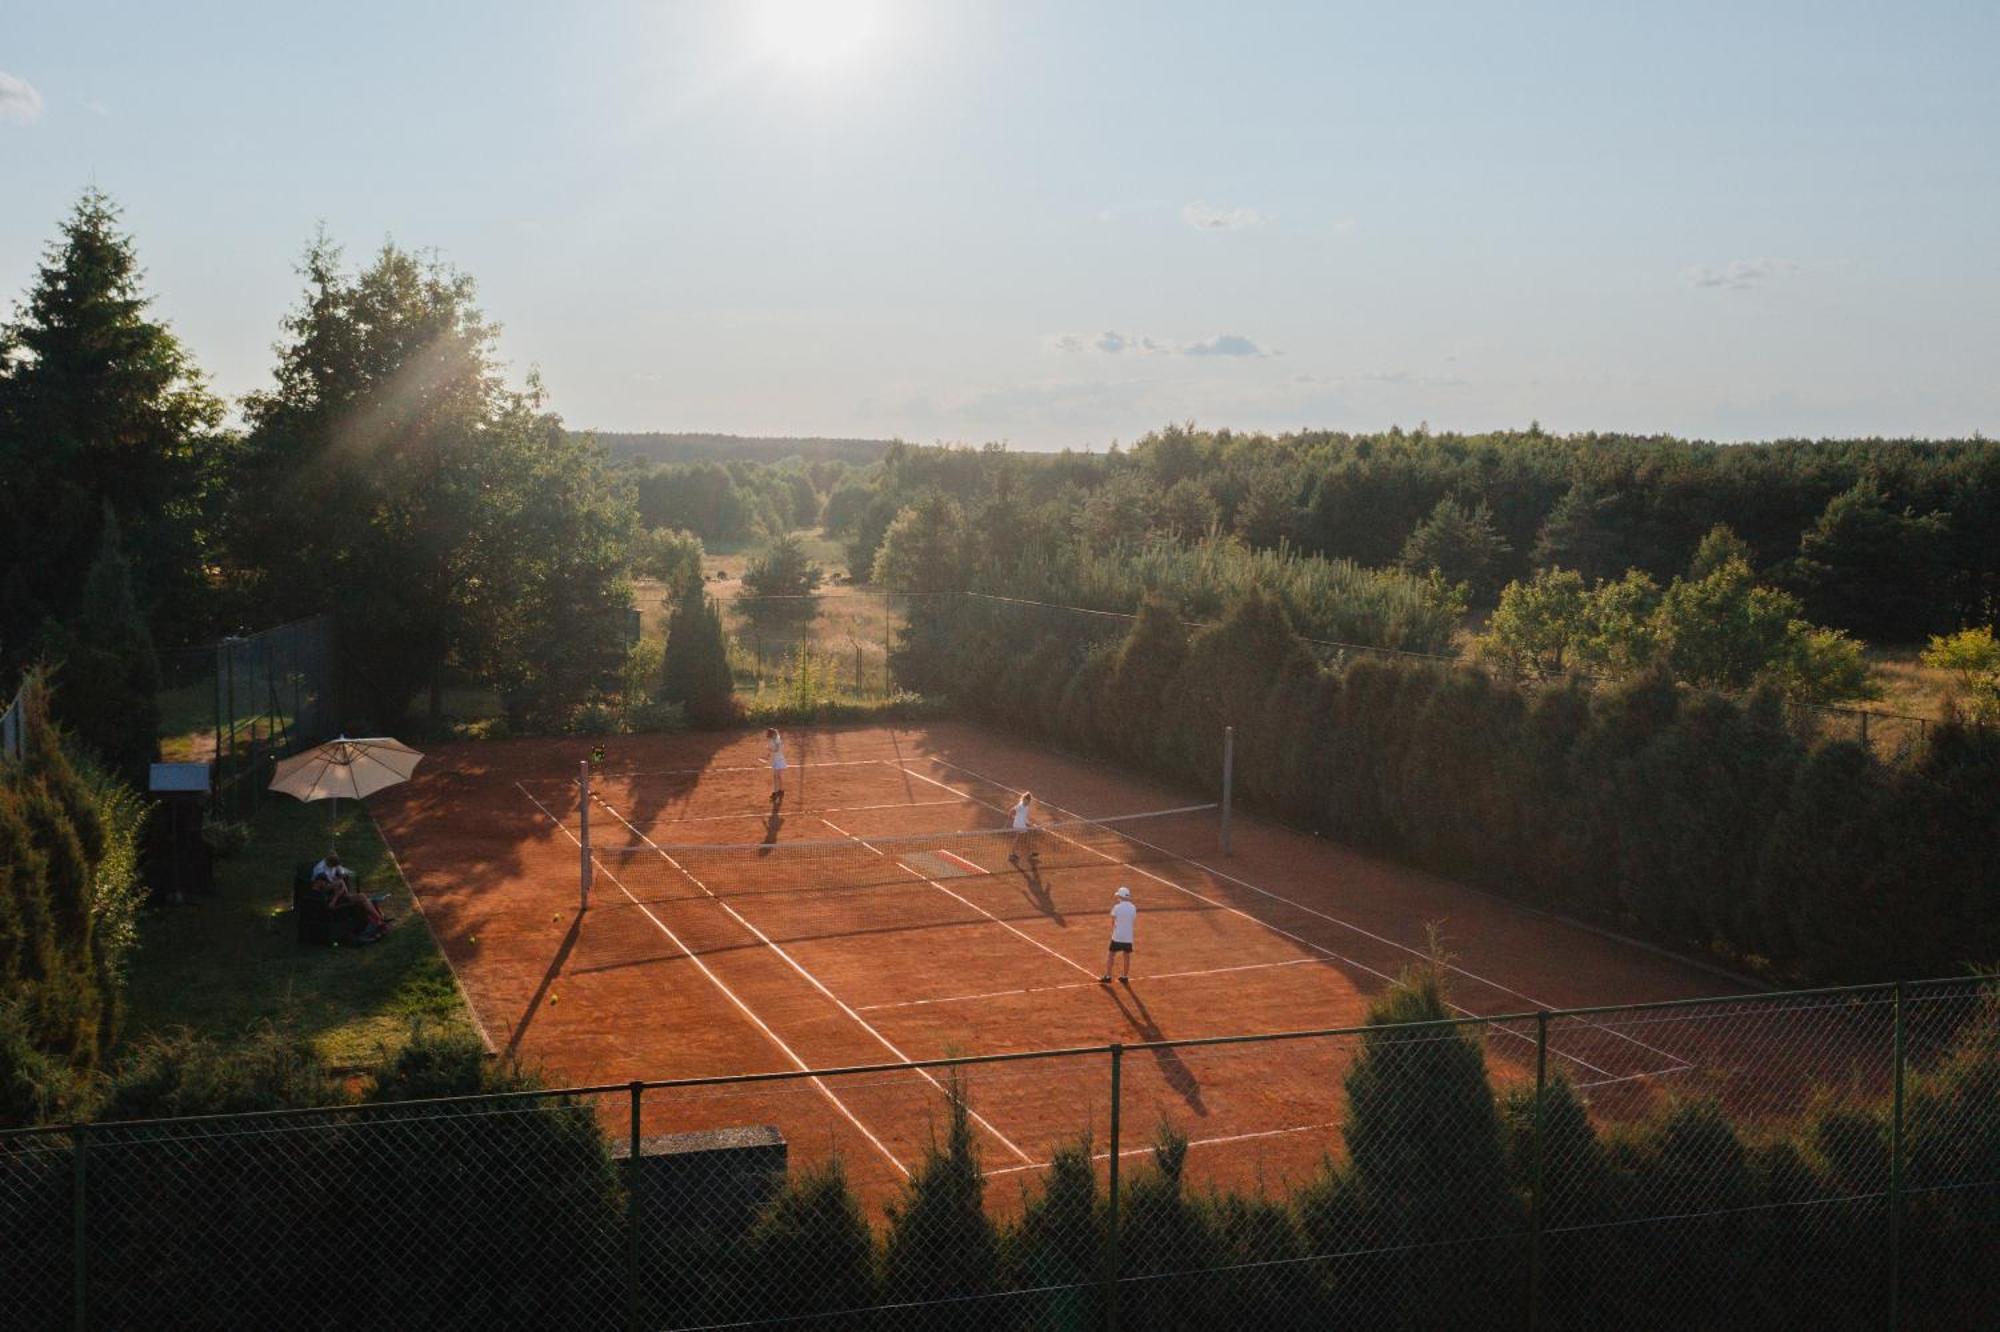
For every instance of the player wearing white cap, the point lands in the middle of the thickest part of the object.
(1123, 916)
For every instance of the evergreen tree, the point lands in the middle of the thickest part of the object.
(1423, 1136)
(1460, 544)
(941, 1244)
(110, 675)
(694, 671)
(1718, 548)
(1870, 568)
(1581, 533)
(100, 404)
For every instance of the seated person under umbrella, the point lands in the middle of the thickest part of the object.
(337, 882)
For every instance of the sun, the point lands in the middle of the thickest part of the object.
(816, 36)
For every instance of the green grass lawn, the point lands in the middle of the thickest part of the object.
(226, 961)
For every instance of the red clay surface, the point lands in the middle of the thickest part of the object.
(756, 960)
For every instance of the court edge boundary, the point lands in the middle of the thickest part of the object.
(1881, 991)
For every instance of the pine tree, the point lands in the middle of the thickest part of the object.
(1423, 1135)
(99, 403)
(695, 669)
(110, 678)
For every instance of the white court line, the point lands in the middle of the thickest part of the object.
(811, 979)
(1258, 920)
(731, 995)
(1336, 920)
(1196, 1142)
(1634, 1077)
(716, 767)
(966, 901)
(751, 816)
(1078, 985)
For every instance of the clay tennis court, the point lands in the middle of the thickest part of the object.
(858, 925)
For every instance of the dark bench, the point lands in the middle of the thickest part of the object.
(317, 922)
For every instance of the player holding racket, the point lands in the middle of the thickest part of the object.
(777, 764)
(1024, 832)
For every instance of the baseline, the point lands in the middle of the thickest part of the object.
(809, 977)
(733, 997)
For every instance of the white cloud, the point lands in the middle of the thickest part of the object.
(1224, 344)
(1113, 343)
(19, 102)
(1212, 217)
(1741, 274)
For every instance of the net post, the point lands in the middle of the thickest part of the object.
(634, 1173)
(1228, 782)
(1111, 1263)
(583, 837)
(1896, 1163)
(1535, 1219)
(79, 1249)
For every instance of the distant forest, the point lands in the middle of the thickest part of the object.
(667, 447)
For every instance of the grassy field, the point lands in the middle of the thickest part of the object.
(1908, 686)
(224, 962)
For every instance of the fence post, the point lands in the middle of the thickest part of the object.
(633, 1174)
(1535, 1189)
(1228, 781)
(1864, 729)
(1896, 1164)
(79, 1258)
(1111, 1214)
(583, 836)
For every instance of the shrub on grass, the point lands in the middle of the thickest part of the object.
(809, 1253)
(695, 666)
(1057, 1247)
(1167, 1242)
(1427, 1164)
(941, 1245)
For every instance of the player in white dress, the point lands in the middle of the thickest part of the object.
(1124, 914)
(777, 763)
(1024, 832)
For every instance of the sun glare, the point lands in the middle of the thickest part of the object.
(815, 36)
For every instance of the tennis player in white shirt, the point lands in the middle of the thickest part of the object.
(777, 763)
(1024, 832)
(1124, 914)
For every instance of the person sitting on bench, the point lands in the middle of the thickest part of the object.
(337, 882)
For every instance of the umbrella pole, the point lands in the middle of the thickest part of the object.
(333, 827)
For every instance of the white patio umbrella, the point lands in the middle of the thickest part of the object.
(344, 767)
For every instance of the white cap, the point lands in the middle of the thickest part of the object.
(1123, 891)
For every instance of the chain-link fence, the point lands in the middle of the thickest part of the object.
(244, 702)
(810, 649)
(1822, 1159)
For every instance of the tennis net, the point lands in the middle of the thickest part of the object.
(821, 865)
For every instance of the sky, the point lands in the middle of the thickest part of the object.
(1065, 224)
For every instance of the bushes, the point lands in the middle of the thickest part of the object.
(1703, 821)
(695, 667)
(1682, 1219)
(69, 889)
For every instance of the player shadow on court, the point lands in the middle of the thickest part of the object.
(1173, 1068)
(773, 824)
(1040, 897)
(542, 990)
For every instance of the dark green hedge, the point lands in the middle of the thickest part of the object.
(1708, 823)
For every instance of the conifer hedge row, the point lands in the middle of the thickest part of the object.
(1449, 1206)
(1709, 823)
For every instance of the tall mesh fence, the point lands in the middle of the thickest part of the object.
(809, 649)
(1824, 1159)
(245, 701)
